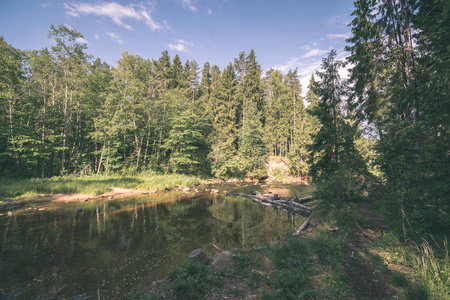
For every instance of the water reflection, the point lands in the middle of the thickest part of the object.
(113, 246)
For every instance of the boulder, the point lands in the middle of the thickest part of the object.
(200, 256)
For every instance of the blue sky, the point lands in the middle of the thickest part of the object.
(284, 33)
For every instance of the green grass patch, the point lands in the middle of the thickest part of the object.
(26, 189)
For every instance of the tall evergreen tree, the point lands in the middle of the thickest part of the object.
(176, 72)
(334, 142)
(163, 72)
(205, 84)
(224, 136)
(395, 83)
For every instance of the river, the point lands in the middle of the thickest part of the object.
(113, 246)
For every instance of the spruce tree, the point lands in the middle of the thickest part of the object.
(224, 120)
(334, 156)
(163, 70)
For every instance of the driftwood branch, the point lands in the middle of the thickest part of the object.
(217, 247)
(303, 226)
(290, 205)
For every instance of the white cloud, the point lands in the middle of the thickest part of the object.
(112, 34)
(338, 36)
(115, 36)
(116, 12)
(307, 67)
(338, 21)
(97, 36)
(187, 43)
(189, 5)
(209, 12)
(181, 46)
(315, 52)
(81, 40)
(68, 26)
(166, 25)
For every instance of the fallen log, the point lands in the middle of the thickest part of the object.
(301, 206)
(278, 202)
(301, 200)
(303, 226)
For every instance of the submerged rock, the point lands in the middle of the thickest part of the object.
(201, 256)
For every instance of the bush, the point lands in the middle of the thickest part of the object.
(340, 188)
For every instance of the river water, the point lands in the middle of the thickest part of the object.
(113, 246)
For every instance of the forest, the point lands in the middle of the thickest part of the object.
(385, 129)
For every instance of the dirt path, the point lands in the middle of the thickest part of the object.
(363, 269)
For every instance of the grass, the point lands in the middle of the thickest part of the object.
(426, 268)
(27, 189)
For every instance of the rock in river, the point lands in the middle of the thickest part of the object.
(201, 256)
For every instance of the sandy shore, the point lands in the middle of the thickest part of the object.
(113, 193)
(77, 197)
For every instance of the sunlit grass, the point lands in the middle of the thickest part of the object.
(25, 189)
(425, 266)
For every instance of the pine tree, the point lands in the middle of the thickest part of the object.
(278, 113)
(193, 79)
(176, 72)
(400, 90)
(334, 156)
(163, 70)
(215, 76)
(224, 136)
(252, 149)
(205, 84)
(333, 143)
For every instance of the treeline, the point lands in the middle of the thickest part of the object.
(65, 113)
(398, 93)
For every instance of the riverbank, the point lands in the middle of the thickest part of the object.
(348, 254)
(19, 193)
(16, 194)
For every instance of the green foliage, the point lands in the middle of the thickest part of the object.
(252, 145)
(224, 121)
(186, 145)
(190, 281)
(400, 89)
(335, 160)
(340, 188)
